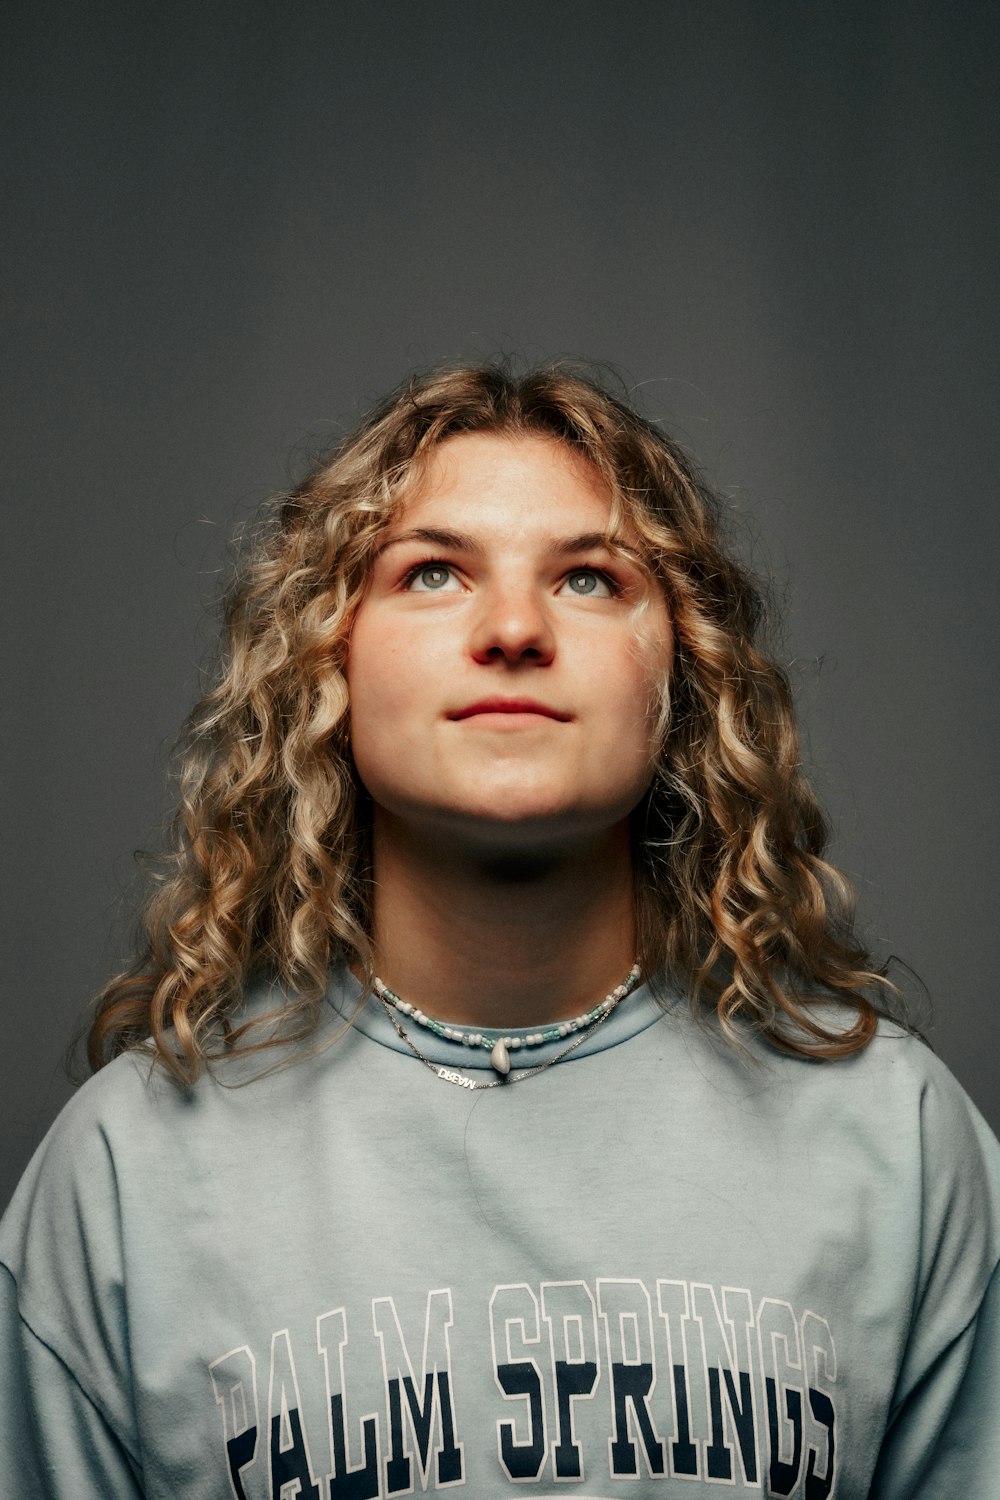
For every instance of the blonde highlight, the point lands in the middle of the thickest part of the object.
(268, 865)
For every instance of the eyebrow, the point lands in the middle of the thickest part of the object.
(459, 541)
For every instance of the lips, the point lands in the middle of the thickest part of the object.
(509, 706)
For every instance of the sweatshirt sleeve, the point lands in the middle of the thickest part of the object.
(55, 1444)
(68, 1426)
(943, 1433)
(945, 1439)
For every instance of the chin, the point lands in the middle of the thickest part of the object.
(530, 827)
(520, 805)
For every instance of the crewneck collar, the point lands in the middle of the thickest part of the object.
(636, 1013)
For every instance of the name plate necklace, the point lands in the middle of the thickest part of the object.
(500, 1046)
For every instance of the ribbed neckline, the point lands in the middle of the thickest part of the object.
(636, 1013)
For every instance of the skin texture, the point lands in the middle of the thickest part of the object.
(502, 866)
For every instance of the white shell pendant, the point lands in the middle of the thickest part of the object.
(500, 1058)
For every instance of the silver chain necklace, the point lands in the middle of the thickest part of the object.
(585, 1027)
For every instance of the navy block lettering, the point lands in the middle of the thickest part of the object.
(289, 1460)
(818, 1486)
(353, 1484)
(782, 1476)
(523, 1460)
(573, 1378)
(631, 1385)
(449, 1459)
(240, 1451)
(683, 1452)
(398, 1468)
(720, 1463)
(234, 1381)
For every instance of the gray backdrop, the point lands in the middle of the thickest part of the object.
(233, 225)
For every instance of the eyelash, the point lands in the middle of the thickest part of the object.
(437, 562)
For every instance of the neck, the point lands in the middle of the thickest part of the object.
(502, 940)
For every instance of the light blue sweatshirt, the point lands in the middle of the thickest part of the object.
(656, 1268)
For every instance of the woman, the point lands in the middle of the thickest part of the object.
(503, 1097)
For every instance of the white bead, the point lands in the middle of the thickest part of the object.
(564, 1029)
(514, 1042)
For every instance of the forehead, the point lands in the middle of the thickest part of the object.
(520, 484)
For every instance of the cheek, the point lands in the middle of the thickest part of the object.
(390, 687)
(652, 664)
(373, 671)
(374, 713)
(634, 724)
(370, 679)
(636, 681)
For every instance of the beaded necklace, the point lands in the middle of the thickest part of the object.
(498, 1045)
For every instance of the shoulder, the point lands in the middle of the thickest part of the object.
(899, 1083)
(131, 1129)
(70, 1184)
(64, 1333)
(891, 1114)
(120, 1130)
(897, 1064)
(908, 1091)
(900, 1079)
(895, 1114)
(907, 1068)
(133, 1091)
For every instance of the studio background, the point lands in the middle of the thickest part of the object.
(233, 226)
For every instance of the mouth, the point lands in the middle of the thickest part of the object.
(509, 706)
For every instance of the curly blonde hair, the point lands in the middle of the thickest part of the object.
(269, 865)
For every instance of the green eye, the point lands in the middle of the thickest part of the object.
(429, 578)
(587, 582)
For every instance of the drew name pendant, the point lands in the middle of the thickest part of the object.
(498, 1045)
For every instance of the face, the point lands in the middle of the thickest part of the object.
(503, 665)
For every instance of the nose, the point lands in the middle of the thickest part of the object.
(513, 625)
